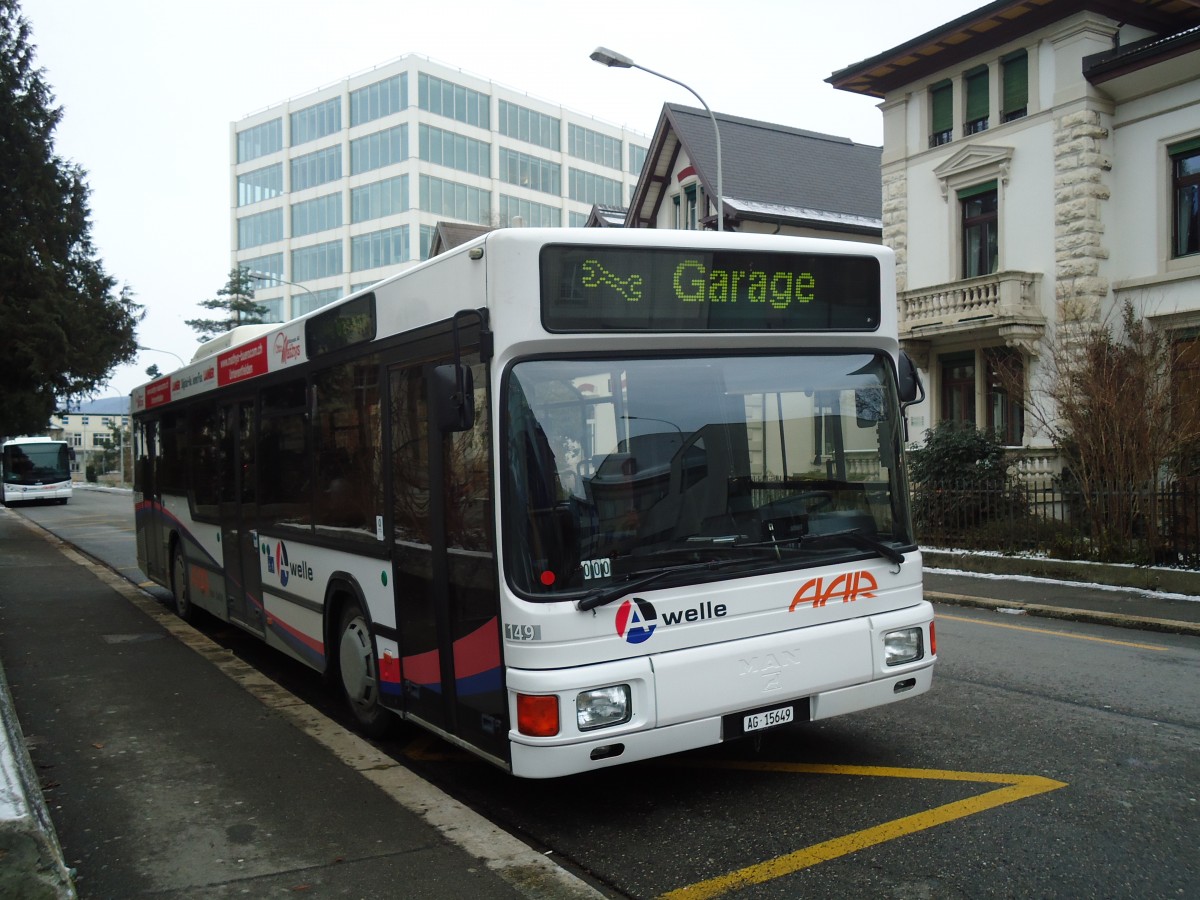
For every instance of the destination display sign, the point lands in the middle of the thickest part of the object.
(664, 289)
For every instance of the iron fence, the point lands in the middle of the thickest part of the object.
(1154, 526)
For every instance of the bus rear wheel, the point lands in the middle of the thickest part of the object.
(181, 589)
(358, 671)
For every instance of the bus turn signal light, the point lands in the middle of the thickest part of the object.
(537, 715)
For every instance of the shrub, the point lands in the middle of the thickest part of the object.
(961, 484)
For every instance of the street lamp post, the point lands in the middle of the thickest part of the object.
(266, 276)
(612, 59)
(168, 352)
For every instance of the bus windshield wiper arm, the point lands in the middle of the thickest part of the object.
(603, 595)
(858, 539)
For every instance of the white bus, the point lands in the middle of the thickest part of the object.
(567, 498)
(36, 468)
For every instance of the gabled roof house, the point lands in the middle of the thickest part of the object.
(774, 178)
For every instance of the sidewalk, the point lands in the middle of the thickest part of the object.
(165, 776)
(1121, 596)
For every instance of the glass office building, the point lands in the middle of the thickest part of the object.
(345, 186)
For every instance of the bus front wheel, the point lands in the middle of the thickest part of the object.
(359, 673)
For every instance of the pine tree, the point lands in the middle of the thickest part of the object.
(236, 299)
(64, 323)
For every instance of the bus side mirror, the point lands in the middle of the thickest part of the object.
(453, 397)
(908, 382)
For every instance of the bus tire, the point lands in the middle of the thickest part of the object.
(181, 589)
(358, 673)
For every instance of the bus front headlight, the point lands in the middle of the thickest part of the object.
(902, 646)
(603, 707)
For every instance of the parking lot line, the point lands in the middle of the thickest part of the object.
(1015, 787)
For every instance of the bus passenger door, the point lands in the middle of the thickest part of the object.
(150, 521)
(239, 515)
(447, 607)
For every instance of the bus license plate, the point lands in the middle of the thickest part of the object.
(768, 719)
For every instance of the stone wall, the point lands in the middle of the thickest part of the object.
(1081, 159)
(895, 222)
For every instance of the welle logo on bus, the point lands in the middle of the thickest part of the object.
(636, 619)
(279, 564)
(662, 289)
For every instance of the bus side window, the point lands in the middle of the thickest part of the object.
(348, 441)
(285, 485)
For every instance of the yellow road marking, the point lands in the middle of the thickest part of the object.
(1062, 634)
(1017, 787)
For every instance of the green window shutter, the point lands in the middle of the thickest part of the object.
(941, 99)
(976, 190)
(1183, 147)
(977, 95)
(1016, 83)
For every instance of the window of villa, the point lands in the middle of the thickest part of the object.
(941, 115)
(977, 101)
(1005, 370)
(980, 214)
(958, 388)
(1185, 194)
(689, 194)
(1014, 73)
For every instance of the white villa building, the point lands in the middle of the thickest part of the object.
(1041, 167)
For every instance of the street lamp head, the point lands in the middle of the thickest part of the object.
(611, 58)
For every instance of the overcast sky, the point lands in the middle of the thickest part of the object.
(149, 88)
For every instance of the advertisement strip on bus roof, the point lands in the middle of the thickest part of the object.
(663, 289)
(158, 393)
(270, 353)
(241, 363)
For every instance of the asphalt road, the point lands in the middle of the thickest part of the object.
(1050, 759)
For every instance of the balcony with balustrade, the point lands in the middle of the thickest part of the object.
(1003, 308)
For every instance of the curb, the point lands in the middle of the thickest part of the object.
(31, 860)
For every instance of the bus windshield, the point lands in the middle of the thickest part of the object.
(625, 466)
(36, 463)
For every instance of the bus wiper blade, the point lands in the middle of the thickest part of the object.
(859, 539)
(604, 595)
